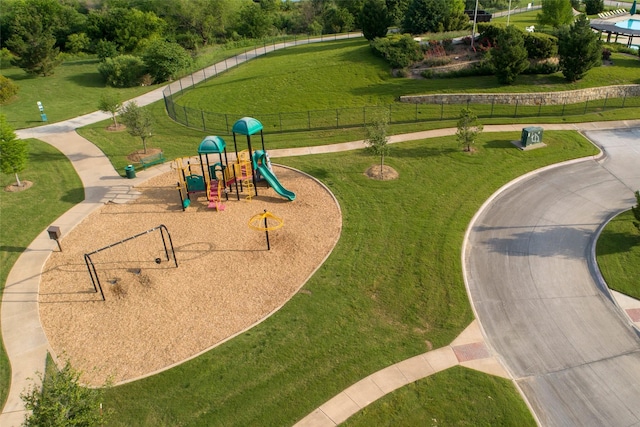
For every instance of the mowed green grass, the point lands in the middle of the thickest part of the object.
(23, 215)
(438, 400)
(391, 289)
(347, 74)
(618, 254)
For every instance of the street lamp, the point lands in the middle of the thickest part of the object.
(475, 20)
(509, 13)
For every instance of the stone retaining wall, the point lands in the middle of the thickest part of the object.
(537, 98)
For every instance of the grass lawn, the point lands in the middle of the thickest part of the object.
(346, 74)
(618, 254)
(391, 289)
(438, 400)
(23, 215)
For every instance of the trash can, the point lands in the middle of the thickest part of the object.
(531, 135)
(130, 171)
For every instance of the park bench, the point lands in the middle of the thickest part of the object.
(152, 159)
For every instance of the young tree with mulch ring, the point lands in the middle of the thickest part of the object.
(110, 103)
(14, 152)
(138, 122)
(468, 128)
(377, 140)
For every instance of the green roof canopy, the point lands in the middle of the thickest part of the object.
(247, 126)
(211, 145)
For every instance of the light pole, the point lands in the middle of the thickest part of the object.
(473, 33)
(509, 13)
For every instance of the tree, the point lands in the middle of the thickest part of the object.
(636, 211)
(468, 128)
(579, 49)
(34, 46)
(376, 139)
(509, 58)
(62, 401)
(138, 121)
(14, 152)
(163, 60)
(254, 22)
(593, 7)
(110, 103)
(425, 16)
(374, 19)
(555, 13)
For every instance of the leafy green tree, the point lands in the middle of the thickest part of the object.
(592, 7)
(164, 60)
(540, 45)
(128, 28)
(636, 211)
(77, 42)
(425, 16)
(254, 22)
(62, 401)
(337, 20)
(14, 152)
(397, 10)
(555, 13)
(138, 121)
(110, 103)
(468, 128)
(106, 49)
(579, 49)
(34, 46)
(509, 58)
(374, 19)
(376, 139)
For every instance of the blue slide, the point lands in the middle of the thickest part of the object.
(261, 166)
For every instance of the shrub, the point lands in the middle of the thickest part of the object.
(593, 7)
(540, 45)
(399, 50)
(437, 61)
(122, 71)
(106, 49)
(164, 60)
(542, 67)
(8, 89)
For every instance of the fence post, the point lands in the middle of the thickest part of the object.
(586, 104)
(226, 122)
(604, 107)
(441, 109)
(515, 114)
(493, 101)
(193, 83)
(539, 107)
(309, 119)
(204, 74)
(204, 127)
(364, 116)
(280, 120)
(186, 118)
(180, 81)
(337, 118)
(215, 70)
(564, 104)
(624, 99)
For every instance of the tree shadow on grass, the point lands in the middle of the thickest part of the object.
(87, 80)
(615, 242)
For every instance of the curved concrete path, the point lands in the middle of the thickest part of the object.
(536, 292)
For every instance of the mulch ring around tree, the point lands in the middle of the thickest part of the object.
(14, 188)
(386, 173)
(138, 154)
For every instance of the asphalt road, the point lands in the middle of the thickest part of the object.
(535, 290)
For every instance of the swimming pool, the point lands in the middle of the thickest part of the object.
(629, 24)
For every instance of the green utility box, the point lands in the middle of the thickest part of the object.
(130, 171)
(531, 135)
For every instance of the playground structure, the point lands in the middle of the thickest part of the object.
(222, 177)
